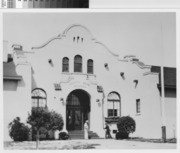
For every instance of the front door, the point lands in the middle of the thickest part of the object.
(77, 110)
(74, 119)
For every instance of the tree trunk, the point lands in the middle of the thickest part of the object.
(37, 140)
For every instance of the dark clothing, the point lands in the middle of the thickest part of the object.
(108, 134)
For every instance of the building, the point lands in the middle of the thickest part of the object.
(45, 4)
(78, 76)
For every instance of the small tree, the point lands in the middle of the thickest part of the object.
(125, 126)
(42, 118)
(56, 121)
(18, 131)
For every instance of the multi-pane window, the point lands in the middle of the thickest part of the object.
(10, 4)
(138, 106)
(77, 63)
(65, 64)
(113, 104)
(39, 98)
(73, 100)
(90, 66)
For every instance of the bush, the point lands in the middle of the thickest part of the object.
(125, 126)
(43, 122)
(18, 131)
(63, 136)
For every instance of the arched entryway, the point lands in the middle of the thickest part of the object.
(77, 109)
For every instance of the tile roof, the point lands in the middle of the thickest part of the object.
(169, 75)
(9, 71)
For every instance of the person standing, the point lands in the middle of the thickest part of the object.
(86, 129)
(108, 134)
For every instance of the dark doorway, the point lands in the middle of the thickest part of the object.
(77, 109)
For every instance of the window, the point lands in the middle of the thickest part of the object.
(113, 104)
(65, 64)
(39, 98)
(77, 63)
(90, 66)
(138, 106)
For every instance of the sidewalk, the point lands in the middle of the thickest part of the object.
(88, 144)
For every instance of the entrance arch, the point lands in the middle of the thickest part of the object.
(77, 109)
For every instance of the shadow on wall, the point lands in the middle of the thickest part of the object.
(10, 85)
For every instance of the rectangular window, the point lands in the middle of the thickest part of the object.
(112, 112)
(65, 68)
(138, 106)
(77, 67)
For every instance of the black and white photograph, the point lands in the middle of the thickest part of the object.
(89, 80)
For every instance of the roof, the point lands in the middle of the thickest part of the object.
(169, 75)
(9, 71)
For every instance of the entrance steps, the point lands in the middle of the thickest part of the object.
(79, 134)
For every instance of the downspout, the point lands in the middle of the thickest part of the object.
(103, 108)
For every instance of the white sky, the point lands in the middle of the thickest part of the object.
(149, 36)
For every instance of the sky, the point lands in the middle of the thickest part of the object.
(150, 36)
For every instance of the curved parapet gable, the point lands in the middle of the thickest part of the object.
(46, 43)
(98, 42)
(76, 31)
(80, 35)
(68, 29)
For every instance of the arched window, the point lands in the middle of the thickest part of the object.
(65, 64)
(77, 63)
(113, 104)
(90, 66)
(39, 98)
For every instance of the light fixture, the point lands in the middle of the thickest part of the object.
(62, 100)
(97, 100)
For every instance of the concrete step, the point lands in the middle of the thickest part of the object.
(79, 134)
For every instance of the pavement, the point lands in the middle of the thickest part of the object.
(87, 144)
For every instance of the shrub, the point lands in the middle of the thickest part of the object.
(18, 131)
(125, 126)
(63, 136)
(43, 121)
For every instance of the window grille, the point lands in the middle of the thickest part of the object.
(39, 98)
(77, 63)
(65, 64)
(90, 66)
(113, 105)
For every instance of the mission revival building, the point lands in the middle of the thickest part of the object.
(79, 77)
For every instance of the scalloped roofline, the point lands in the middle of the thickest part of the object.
(64, 33)
(46, 43)
(76, 25)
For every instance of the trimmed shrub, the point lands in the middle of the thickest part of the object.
(125, 126)
(18, 131)
(63, 136)
(44, 122)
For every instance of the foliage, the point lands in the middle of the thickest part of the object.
(43, 120)
(125, 126)
(63, 136)
(39, 117)
(56, 121)
(18, 131)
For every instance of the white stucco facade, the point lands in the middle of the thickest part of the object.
(129, 78)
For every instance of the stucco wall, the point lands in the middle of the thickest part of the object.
(77, 40)
(46, 74)
(17, 98)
